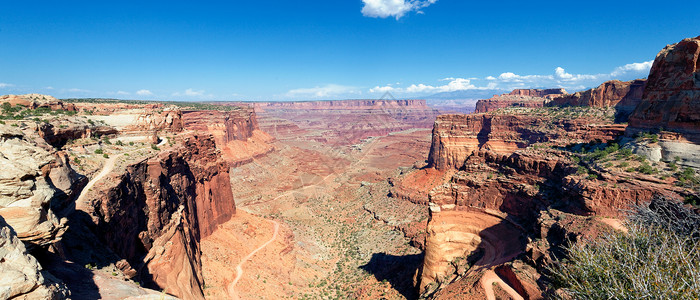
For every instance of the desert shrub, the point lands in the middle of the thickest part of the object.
(154, 147)
(645, 168)
(581, 170)
(658, 258)
(623, 164)
(98, 151)
(688, 178)
(119, 143)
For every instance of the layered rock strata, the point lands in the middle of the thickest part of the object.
(155, 213)
(622, 94)
(518, 98)
(34, 101)
(236, 132)
(455, 137)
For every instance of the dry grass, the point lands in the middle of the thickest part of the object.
(659, 258)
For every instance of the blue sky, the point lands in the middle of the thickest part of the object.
(296, 50)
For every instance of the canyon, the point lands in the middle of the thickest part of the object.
(351, 199)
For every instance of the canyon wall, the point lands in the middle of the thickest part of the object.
(455, 137)
(34, 101)
(671, 99)
(236, 132)
(503, 199)
(518, 98)
(155, 213)
(622, 94)
(162, 119)
(345, 121)
(538, 92)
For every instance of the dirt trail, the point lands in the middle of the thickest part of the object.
(490, 279)
(106, 169)
(239, 268)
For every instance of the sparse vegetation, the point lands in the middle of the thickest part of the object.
(659, 258)
(99, 151)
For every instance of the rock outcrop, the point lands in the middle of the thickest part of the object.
(518, 98)
(22, 275)
(34, 101)
(155, 213)
(671, 99)
(622, 94)
(26, 187)
(164, 119)
(236, 132)
(455, 137)
(538, 92)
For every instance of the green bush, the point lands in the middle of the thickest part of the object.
(581, 170)
(98, 151)
(645, 168)
(658, 258)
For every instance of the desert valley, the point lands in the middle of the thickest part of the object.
(347, 199)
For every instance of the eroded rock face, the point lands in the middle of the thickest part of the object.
(26, 189)
(236, 133)
(455, 137)
(34, 101)
(156, 212)
(518, 98)
(22, 276)
(623, 94)
(537, 92)
(58, 133)
(671, 99)
(167, 119)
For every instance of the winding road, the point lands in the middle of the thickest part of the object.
(239, 268)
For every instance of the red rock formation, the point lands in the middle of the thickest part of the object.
(537, 92)
(455, 137)
(518, 98)
(236, 132)
(626, 94)
(168, 119)
(34, 101)
(671, 98)
(156, 212)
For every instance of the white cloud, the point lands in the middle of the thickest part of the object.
(642, 67)
(5, 85)
(76, 90)
(122, 93)
(560, 78)
(454, 84)
(193, 93)
(323, 92)
(393, 8)
(49, 88)
(144, 93)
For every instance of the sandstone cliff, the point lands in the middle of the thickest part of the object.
(155, 213)
(625, 95)
(164, 119)
(455, 137)
(518, 98)
(538, 92)
(26, 189)
(671, 99)
(22, 276)
(34, 101)
(236, 132)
